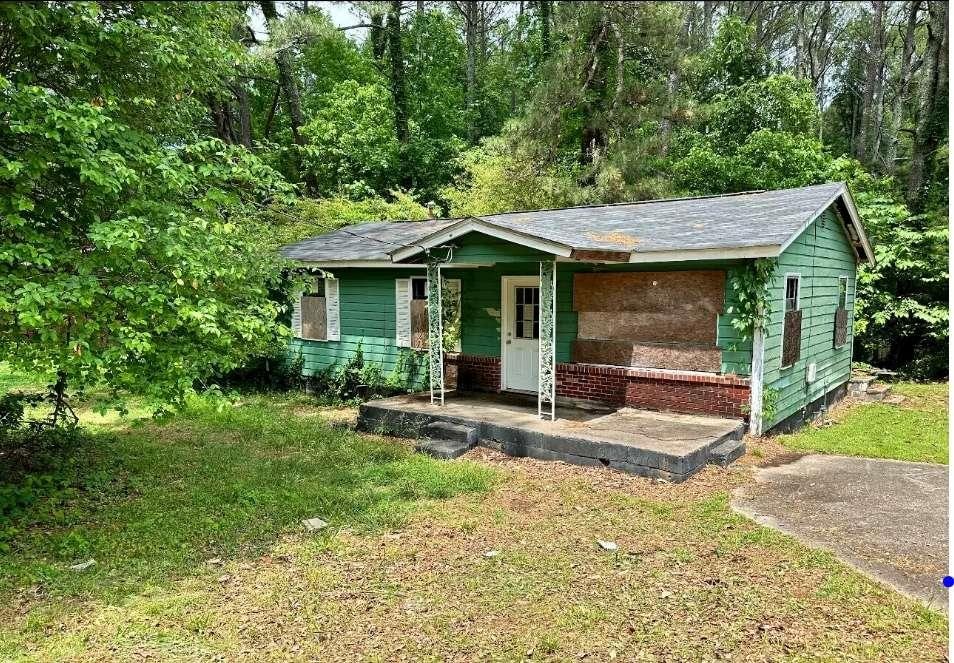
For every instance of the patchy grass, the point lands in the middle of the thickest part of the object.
(914, 430)
(194, 526)
(149, 501)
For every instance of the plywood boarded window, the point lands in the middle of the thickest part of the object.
(410, 307)
(314, 312)
(649, 319)
(792, 333)
(841, 313)
(418, 305)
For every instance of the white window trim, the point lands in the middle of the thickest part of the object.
(798, 307)
(846, 279)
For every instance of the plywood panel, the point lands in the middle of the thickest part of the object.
(419, 336)
(314, 318)
(693, 326)
(648, 355)
(647, 292)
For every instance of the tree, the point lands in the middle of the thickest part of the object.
(127, 259)
(931, 103)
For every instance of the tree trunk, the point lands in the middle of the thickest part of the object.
(933, 88)
(398, 89)
(468, 10)
(221, 118)
(244, 114)
(871, 117)
(545, 41)
(904, 86)
(673, 83)
(286, 78)
(378, 39)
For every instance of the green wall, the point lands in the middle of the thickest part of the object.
(368, 315)
(366, 302)
(480, 321)
(821, 254)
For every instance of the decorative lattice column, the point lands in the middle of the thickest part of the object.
(435, 332)
(546, 391)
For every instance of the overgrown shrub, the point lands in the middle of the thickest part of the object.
(357, 380)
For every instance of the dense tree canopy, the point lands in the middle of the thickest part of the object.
(152, 156)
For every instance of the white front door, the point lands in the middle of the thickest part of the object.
(520, 332)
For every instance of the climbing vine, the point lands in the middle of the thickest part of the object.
(750, 287)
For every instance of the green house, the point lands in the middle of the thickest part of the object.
(632, 304)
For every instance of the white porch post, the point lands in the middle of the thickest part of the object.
(435, 332)
(546, 389)
(755, 381)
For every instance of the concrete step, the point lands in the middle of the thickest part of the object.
(444, 449)
(878, 392)
(444, 430)
(725, 453)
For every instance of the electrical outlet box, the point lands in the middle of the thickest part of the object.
(810, 372)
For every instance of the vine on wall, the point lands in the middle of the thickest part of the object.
(750, 284)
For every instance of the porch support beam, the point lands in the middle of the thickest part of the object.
(435, 332)
(755, 381)
(546, 389)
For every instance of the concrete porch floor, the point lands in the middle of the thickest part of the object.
(655, 444)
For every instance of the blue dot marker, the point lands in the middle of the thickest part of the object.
(948, 581)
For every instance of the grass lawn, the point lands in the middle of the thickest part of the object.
(194, 525)
(915, 429)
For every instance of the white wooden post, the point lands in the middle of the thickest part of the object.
(435, 332)
(755, 381)
(546, 387)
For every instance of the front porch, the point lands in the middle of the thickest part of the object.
(661, 445)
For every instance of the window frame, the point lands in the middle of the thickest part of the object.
(301, 307)
(798, 307)
(844, 278)
(838, 304)
(414, 279)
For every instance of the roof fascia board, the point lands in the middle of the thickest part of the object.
(766, 251)
(842, 193)
(385, 264)
(479, 225)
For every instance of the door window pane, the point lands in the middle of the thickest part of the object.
(527, 312)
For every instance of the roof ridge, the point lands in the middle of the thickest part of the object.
(655, 200)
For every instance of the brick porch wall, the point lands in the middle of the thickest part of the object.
(651, 389)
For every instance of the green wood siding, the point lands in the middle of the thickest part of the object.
(821, 254)
(481, 290)
(366, 301)
(367, 305)
(477, 247)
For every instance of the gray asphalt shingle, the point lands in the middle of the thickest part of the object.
(717, 222)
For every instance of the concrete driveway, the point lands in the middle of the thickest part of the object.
(886, 518)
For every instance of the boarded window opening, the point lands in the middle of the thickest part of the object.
(792, 334)
(314, 313)
(419, 336)
(649, 319)
(841, 313)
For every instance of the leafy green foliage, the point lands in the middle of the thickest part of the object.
(127, 260)
(352, 144)
(750, 284)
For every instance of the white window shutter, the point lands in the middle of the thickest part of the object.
(296, 317)
(402, 312)
(332, 310)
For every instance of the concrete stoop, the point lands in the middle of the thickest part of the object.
(865, 388)
(448, 437)
(446, 440)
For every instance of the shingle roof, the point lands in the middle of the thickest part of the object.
(363, 241)
(762, 222)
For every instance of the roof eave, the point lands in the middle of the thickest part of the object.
(719, 253)
(845, 196)
(465, 226)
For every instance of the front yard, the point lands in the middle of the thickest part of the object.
(916, 429)
(194, 526)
